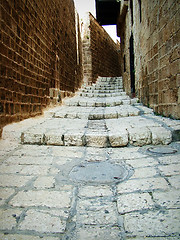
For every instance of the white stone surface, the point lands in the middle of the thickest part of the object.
(146, 184)
(7, 180)
(95, 191)
(44, 182)
(8, 218)
(134, 202)
(94, 212)
(139, 136)
(168, 199)
(169, 170)
(5, 193)
(152, 223)
(58, 199)
(42, 222)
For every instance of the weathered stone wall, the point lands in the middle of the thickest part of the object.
(101, 54)
(40, 51)
(156, 36)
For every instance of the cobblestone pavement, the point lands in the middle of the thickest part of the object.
(85, 192)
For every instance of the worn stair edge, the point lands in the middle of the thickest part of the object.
(112, 138)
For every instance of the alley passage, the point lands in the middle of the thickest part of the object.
(99, 167)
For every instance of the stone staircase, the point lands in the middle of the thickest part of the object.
(102, 115)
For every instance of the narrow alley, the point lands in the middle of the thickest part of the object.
(100, 167)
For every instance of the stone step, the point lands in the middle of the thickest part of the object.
(101, 95)
(102, 91)
(134, 130)
(100, 112)
(96, 87)
(99, 102)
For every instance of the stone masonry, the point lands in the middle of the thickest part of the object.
(96, 190)
(103, 116)
(101, 55)
(154, 26)
(40, 54)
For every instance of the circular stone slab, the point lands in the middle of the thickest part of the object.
(162, 150)
(101, 172)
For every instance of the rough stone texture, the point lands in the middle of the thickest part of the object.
(41, 52)
(42, 222)
(134, 202)
(155, 29)
(144, 225)
(37, 198)
(100, 52)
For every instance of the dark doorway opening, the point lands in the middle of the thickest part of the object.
(132, 67)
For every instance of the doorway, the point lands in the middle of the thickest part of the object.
(132, 67)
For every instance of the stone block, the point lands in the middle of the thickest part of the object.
(152, 224)
(8, 218)
(118, 138)
(134, 202)
(96, 139)
(42, 222)
(40, 198)
(168, 199)
(95, 191)
(141, 185)
(139, 136)
(95, 212)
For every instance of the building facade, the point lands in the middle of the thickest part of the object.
(149, 32)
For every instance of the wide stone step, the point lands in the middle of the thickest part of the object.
(134, 130)
(101, 95)
(99, 102)
(96, 87)
(100, 112)
(102, 91)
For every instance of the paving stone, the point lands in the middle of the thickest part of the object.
(160, 135)
(56, 199)
(5, 193)
(15, 180)
(144, 172)
(152, 223)
(95, 191)
(29, 160)
(8, 218)
(98, 233)
(96, 211)
(169, 170)
(42, 222)
(169, 199)
(127, 154)
(71, 152)
(174, 181)
(148, 184)
(44, 182)
(174, 158)
(143, 162)
(25, 237)
(134, 202)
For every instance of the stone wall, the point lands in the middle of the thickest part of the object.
(101, 55)
(155, 30)
(40, 51)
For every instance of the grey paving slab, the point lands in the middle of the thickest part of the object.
(39, 198)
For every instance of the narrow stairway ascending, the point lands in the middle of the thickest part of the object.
(101, 115)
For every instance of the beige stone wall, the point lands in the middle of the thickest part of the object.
(156, 50)
(40, 53)
(101, 54)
